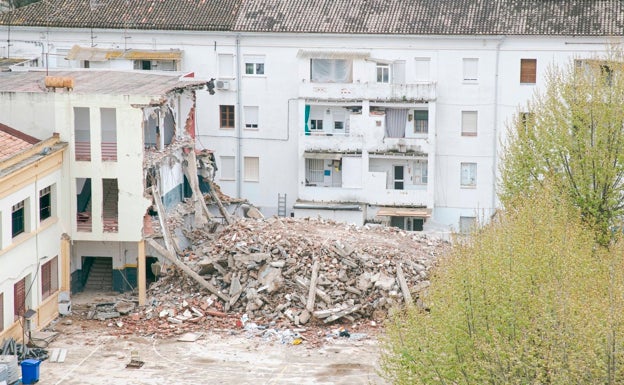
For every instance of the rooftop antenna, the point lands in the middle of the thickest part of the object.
(94, 5)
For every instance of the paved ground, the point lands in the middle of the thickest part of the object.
(96, 357)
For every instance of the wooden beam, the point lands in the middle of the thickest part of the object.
(172, 258)
(215, 198)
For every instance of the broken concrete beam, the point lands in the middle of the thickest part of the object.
(187, 270)
(312, 290)
(342, 313)
(403, 284)
(302, 282)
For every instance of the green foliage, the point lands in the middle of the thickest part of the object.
(573, 137)
(529, 300)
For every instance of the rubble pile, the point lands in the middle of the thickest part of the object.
(297, 271)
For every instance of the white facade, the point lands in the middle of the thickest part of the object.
(475, 79)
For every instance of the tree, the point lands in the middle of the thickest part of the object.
(573, 137)
(528, 300)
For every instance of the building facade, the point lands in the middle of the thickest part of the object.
(352, 110)
(127, 138)
(32, 275)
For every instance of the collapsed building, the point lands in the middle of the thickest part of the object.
(128, 137)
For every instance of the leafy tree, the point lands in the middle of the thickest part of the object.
(528, 300)
(573, 137)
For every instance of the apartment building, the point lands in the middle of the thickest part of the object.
(361, 111)
(32, 273)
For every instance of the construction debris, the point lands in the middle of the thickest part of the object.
(287, 271)
(11, 348)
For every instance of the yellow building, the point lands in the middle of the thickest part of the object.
(34, 263)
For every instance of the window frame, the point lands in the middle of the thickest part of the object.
(247, 168)
(468, 181)
(49, 278)
(332, 71)
(462, 226)
(316, 172)
(19, 207)
(251, 112)
(466, 118)
(226, 167)
(257, 67)
(467, 64)
(43, 193)
(425, 127)
(385, 73)
(422, 176)
(528, 71)
(227, 116)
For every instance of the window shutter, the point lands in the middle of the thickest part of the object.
(252, 169)
(469, 123)
(227, 168)
(528, 70)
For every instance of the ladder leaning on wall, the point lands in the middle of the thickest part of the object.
(281, 205)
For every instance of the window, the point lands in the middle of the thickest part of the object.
(254, 65)
(314, 171)
(226, 116)
(18, 219)
(45, 203)
(471, 69)
(19, 297)
(420, 172)
(316, 124)
(468, 174)
(528, 70)
(398, 177)
(228, 168)
(467, 224)
(330, 70)
(421, 122)
(49, 278)
(108, 124)
(160, 65)
(339, 119)
(252, 169)
(422, 69)
(226, 66)
(110, 205)
(251, 117)
(383, 73)
(82, 134)
(469, 123)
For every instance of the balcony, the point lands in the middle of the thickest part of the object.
(407, 93)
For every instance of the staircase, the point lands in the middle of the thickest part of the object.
(100, 275)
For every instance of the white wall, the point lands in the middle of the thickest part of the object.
(23, 255)
(496, 95)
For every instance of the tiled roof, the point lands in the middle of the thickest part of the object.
(99, 82)
(191, 15)
(13, 142)
(403, 17)
(435, 17)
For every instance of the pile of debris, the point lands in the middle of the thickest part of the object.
(295, 270)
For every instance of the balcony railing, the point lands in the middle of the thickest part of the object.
(419, 92)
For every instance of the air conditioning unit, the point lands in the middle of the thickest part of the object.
(222, 84)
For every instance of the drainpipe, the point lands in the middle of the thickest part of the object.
(239, 120)
(495, 134)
